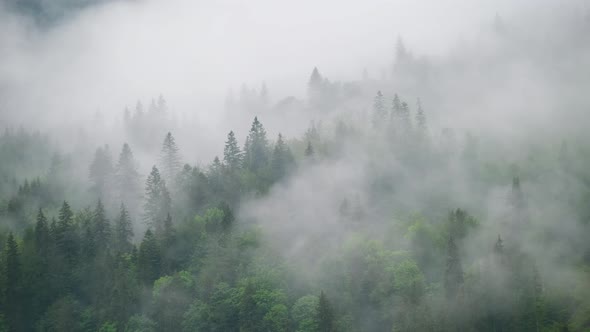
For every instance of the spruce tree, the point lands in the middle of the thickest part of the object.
(282, 159)
(157, 200)
(454, 270)
(149, 259)
(256, 147)
(42, 235)
(101, 227)
(379, 112)
(123, 231)
(11, 284)
(127, 179)
(232, 156)
(325, 315)
(420, 117)
(66, 236)
(309, 152)
(170, 159)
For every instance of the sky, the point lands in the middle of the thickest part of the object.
(108, 56)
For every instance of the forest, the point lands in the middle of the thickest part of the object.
(446, 194)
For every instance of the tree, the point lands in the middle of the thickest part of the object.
(379, 112)
(170, 159)
(325, 315)
(11, 289)
(66, 237)
(454, 270)
(420, 117)
(101, 171)
(256, 147)
(42, 236)
(157, 200)
(315, 87)
(149, 260)
(282, 159)
(101, 227)
(127, 179)
(232, 156)
(309, 152)
(123, 231)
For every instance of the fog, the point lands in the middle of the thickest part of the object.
(433, 174)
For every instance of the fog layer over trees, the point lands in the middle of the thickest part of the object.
(435, 181)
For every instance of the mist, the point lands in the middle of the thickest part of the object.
(308, 166)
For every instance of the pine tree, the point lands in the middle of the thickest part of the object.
(66, 236)
(232, 156)
(169, 261)
(420, 117)
(454, 270)
(11, 286)
(127, 179)
(282, 159)
(158, 202)
(309, 152)
(149, 259)
(42, 236)
(325, 315)
(256, 147)
(405, 116)
(101, 227)
(315, 87)
(379, 112)
(170, 159)
(123, 231)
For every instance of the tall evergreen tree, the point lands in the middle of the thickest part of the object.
(101, 227)
(282, 159)
(157, 200)
(170, 159)
(11, 289)
(315, 87)
(149, 260)
(309, 152)
(232, 156)
(42, 235)
(127, 179)
(123, 231)
(66, 237)
(379, 111)
(256, 147)
(420, 117)
(101, 171)
(454, 270)
(325, 315)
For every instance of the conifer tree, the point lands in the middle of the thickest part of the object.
(42, 236)
(420, 117)
(454, 270)
(325, 315)
(157, 200)
(123, 231)
(282, 159)
(170, 159)
(379, 112)
(66, 236)
(11, 283)
(232, 156)
(127, 179)
(149, 259)
(309, 152)
(101, 227)
(256, 147)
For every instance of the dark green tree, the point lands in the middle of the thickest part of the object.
(157, 201)
(170, 159)
(282, 159)
(453, 281)
(325, 315)
(256, 147)
(149, 259)
(127, 179)
(11, 288)
(232, 155)
(123, 232)
(101, 227)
